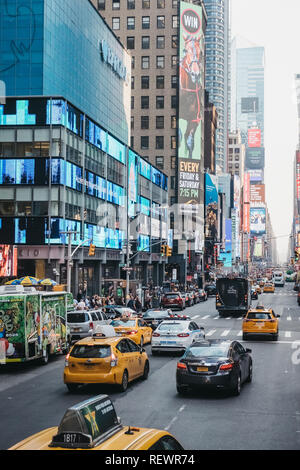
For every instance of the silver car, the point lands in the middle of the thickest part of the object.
(82, 323)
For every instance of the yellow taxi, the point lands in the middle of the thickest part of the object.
(261, 321)
(133, 328)
(105, 358)
(269, 287)
(94, 425)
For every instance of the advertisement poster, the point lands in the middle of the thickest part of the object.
(257, 193)
(255, 158)
(8, 261)
(257, 220)
(256, 176)
(254, 138)
(133, 162)
(211, 206)
(191, 110)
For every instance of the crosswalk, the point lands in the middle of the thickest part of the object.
(237, 334)
(217, 317)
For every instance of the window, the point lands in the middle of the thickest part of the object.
(132, 102)
(146, 4)
(174, 3)
(145, 62)
(173, 162)
(130, 22)
(123, 346)
(130, 4)
(160, 62)
(144, 142)
(132, 142)
(159, 161)
(132, 83)
(132, 62)
(173, 122)
(173, 142)
(173, 182)
(115, 23)
(116, 5)
(174, 101)
(174, 61)
(160, 102)
(146, 22)
(130, 42)
(145, 102)
(160, 122)
(132, 123)
(175, 42)
(159, 142)
(160, 22)
(160, 42)
(160, 3)
(145, 42)
(144, 122)
(145, 83)
(101, 4)
(132, 345)
(174, 21)
(174, 81)
(160, 82)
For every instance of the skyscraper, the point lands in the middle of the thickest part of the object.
(218, 71)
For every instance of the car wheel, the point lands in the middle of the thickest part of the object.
(237, 386)
(72, 387)
(146, 371)
(275, 337)
(245, 337)
(182, 390)
(124, 384)
(249, 378)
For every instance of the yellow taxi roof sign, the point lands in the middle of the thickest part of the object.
(104, 331)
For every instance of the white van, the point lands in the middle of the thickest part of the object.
(278, 278)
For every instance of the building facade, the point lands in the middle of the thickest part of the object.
(236, 155)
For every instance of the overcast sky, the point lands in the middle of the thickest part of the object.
(275, 25)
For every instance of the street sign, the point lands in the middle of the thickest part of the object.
(127, 269)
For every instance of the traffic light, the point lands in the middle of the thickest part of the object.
(163, 250)
(169, 251)
(92, 250)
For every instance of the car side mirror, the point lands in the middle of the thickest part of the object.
(248, 350)
(142, 350)
(201, 328)
(278, 316)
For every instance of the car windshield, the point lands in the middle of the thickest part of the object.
(90, 352)
(259, 316)
(156, 314)
(123, 323)
(172, 327)
(79, 317)
(206, 351)
(171, 296)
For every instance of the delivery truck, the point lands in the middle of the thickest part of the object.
(233, 296)
(33, 324)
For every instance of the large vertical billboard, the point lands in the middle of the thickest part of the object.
(8, 261)
(257, 193)
(255, 158)
(191, 96)
(257, 221)
(246, 203)
(211, 206)
(133, 165)
(254, 138)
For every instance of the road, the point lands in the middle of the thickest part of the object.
(265, 416)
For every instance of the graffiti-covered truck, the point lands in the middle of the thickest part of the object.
(33, 324)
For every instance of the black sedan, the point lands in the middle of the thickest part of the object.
(210, 289)
(202, 295)
(154, 317)
(215, 363)
(254, 294)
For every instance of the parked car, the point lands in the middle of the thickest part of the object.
(210, 289)
(83, 323)
(173, 300)
(202, 295)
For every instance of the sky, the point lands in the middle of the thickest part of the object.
(275, 26)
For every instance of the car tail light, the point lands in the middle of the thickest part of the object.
(181, 365)
(113, 360)
(156, 335)
(183, 335)
(227, 366)
(91, 325)
(67, 360)
(132, 332)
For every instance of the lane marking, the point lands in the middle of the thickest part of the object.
(197, 316)
(240, 333)
(225, 333)
(228, 318)
(289, 318)
(288, 334)
(182, 408)
(171, 423)
(217, 318)
(205, 318)
(211, 332)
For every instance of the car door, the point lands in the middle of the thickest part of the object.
(125, 358)
(146, 331)
(243, 359)
(137, 360)
(198, 331)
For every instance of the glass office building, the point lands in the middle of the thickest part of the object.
(65, 163)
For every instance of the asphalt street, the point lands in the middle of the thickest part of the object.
(265, 416)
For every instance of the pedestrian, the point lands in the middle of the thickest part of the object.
(131, 303)
(81, 305)
(138, 305)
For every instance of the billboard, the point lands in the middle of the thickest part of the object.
(211, 206)
(255, 158)
(257, 193)
(258, 249)
(191, 96)
(226, 256)
(256, 176)
(250, 105)
(133, 165)
(298, 175)
(254, 138)
(8, 260)
(257, 220)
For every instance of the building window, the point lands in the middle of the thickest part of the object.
(133, 62)
(145, 42)
(172, 201)
(174, 42)
(237, 150)
(130, 42)
(174, 21)
(115, 23)
(132, 102)
(160, 22)
(160, 3)
(130, 22)
(132, 142)
(145, 102)
(160, 122)
(145, 82)
(160, 62)
(173, 182)
(101, 4)
(160, 102)
(173, 122)
(144, 142)
(146, 22)
(130, 4)
(146, 4)
(132, 83)
(159, 161)
(173, 162)
(174, 60)
(145, 62)
(144, 122)
(173, 142)
(116, 5)
(160, 82)
(174, 3)
(231, 150)
(160, 42)
(159, 142)
(174, 81)
(174, 101)
(132, 123)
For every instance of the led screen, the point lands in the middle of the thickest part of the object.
(143, 243)
(115, 149)
(145, 169)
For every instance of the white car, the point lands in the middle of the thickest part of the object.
(176, 335)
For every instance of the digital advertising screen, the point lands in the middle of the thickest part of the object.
(8, 260)
(133, 166)
(211, 206)
(254, 138)
(255, 158)
(257, 220)
(250, 105)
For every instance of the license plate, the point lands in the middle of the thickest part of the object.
(202, 369)
(76, 330)
(168, 342)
